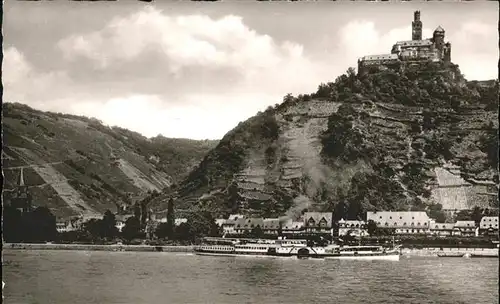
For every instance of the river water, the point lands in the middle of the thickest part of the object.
(150, 277)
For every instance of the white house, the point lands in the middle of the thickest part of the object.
(402, 222)
(354, 228)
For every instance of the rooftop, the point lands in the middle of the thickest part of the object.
(439, 29)
(414, 42)
(380, 57)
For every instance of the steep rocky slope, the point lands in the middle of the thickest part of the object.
(391, 140)
(76, 165)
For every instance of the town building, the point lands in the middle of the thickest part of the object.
(121, 220)
(410, 52)
(219, 222)
(442, 229)
(489, 224)
(353, 228)
(271, 226)
(228, 225)
(67, 226)
(245, 225)
(318, 222)
(291, 227)
(402, 222)
(464, 228)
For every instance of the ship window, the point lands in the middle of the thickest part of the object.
(425, 224)
(390, 217)
(387, 224)
(413, 224)
(418, 224)
(412, 218)
(380, 217)
(400, 217)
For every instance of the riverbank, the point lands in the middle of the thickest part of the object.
(433, 252)
(90, 247)
(422, 252)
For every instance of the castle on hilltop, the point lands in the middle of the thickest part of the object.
(410, 52)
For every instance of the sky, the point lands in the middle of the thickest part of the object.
(195, 70)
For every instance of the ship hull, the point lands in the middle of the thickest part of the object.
(374, 256)
(382, 257)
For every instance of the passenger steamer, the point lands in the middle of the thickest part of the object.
(294, 248)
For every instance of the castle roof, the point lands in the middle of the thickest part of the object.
(414, 42)
(380, 57)
(439, 29)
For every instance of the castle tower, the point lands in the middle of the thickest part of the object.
(438, 38)
(416, 26)
(447, 52)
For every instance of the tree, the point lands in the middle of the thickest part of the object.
(163, 231)
(477, 215)
(12, 229)
(108, 225)
(132, 228)
(183, 232)
(351, 73)
(170, 218)
(40, 225)
(288, 98)
(92, 229)
(436, 213)
(257, 232)
(372, 228)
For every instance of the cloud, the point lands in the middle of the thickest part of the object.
(148, 115)
(22, 82)
(196, 76)
(475, 49)
(181, 42)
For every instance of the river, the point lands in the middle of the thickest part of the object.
(76, 277)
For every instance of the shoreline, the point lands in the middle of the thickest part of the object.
(450, 252)
(423, 252)
(92, 247)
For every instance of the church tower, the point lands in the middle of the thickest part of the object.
(21, 199)
(416, 26)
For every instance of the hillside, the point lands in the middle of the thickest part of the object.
(391, 140)
(76, 165)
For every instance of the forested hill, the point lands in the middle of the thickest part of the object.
(419, 139)
(74, 164)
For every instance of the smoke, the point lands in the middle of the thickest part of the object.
(300, 203)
